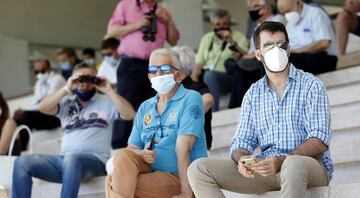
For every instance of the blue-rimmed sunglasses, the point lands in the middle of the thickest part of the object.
(153, 69)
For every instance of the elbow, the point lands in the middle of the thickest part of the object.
(323, 45)
(208, 101)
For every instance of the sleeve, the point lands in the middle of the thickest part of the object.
(192, 118)
(245, 137)
(57, 83)
(111, 109)
(322, 27)
(242, 41)
(118, 17)
(62, 106)
(317, 114)
(135, 135)
(200, 55)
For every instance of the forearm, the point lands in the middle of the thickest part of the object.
(183, 165)
(316, 47)
(49, 105)
(125, 109)
(172, 33)
(121, 31)
(197, 72)
(237, 154)
(313, 147)
(135, 149)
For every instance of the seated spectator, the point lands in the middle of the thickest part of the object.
(47, 83)
(86, 119)
(5, 137)
(168, 134)
(247, 69)
(312, 39)
(68, 59)
(287, 115)
(212, 53)
(347, 22)
(111, 61)
(187, 59)
(88, 56)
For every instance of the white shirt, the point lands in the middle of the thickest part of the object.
(47, 86)
(314, 25)
(108, 71)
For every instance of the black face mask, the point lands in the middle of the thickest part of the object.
(217, 31)
(254, 14)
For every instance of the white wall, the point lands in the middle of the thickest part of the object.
(188, 17)
(14, 67)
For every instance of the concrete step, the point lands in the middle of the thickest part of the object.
(340, 77)
(90, 189)
(332, 191)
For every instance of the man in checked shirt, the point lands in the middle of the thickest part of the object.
(286, 114)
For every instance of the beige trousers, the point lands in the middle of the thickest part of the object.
(208, 176)
(133, 177)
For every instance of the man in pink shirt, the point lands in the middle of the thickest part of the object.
(142, 26)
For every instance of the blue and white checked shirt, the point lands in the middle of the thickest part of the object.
(279, 126)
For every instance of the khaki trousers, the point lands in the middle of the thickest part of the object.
(208, 176)
(133, 177)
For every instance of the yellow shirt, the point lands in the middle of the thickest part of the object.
(214, 58)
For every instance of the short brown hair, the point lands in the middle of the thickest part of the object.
(269, 26)
(70, 52)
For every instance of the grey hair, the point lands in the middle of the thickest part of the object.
(270, 3)
(220, 13)
(83, 65)
(187, 58)
(175, 60)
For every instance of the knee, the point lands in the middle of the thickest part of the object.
(123, 156)
(209, 76)
(292, 167)
(196, 169)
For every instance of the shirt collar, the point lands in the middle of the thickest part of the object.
(293, 76)
(303, 11)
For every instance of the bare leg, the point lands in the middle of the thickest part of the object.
(345, 23)
(6, 135)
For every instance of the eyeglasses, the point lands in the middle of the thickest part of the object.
(153, 69)
(281, 44)
(42, 71)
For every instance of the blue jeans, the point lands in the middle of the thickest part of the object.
(219, 83)
(69, 170)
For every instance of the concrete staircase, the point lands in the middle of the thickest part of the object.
(344, 95)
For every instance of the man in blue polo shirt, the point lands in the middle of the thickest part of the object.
(311, 35)
(168, 134)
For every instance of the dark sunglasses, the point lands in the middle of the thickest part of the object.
(89, 79)
(43, 71)
(107, 54)
(281, 44)
(153, 69)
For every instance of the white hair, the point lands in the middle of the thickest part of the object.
(187, 58)
(175, 60)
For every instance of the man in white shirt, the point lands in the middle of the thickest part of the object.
(111, 60)
(312, 37)
(47, 82)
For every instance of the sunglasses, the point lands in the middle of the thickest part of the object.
(40, 71)
(153, 69)
(281, 44)
(106, 54)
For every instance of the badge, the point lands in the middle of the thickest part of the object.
(147, 119)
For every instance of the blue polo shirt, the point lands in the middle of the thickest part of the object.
(314, 25)
(183, 115)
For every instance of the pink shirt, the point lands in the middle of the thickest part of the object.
(132, 44)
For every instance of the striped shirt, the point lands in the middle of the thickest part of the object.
(278, 126)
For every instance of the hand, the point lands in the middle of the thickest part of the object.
(236, 55)
(72, 82)
(183, 195)
(143, 21)
(162, 14)
(149, 156)
(245, 171)
(226, 36)
(269, 166)
(104, 86)
(18, 114)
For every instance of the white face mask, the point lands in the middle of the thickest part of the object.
(292, 17)
(111, 60)
(42, 77)
(276, 59)
(163, 84)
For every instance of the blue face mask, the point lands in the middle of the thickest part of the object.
(65, 65)
(84, 95)
(111, 60)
